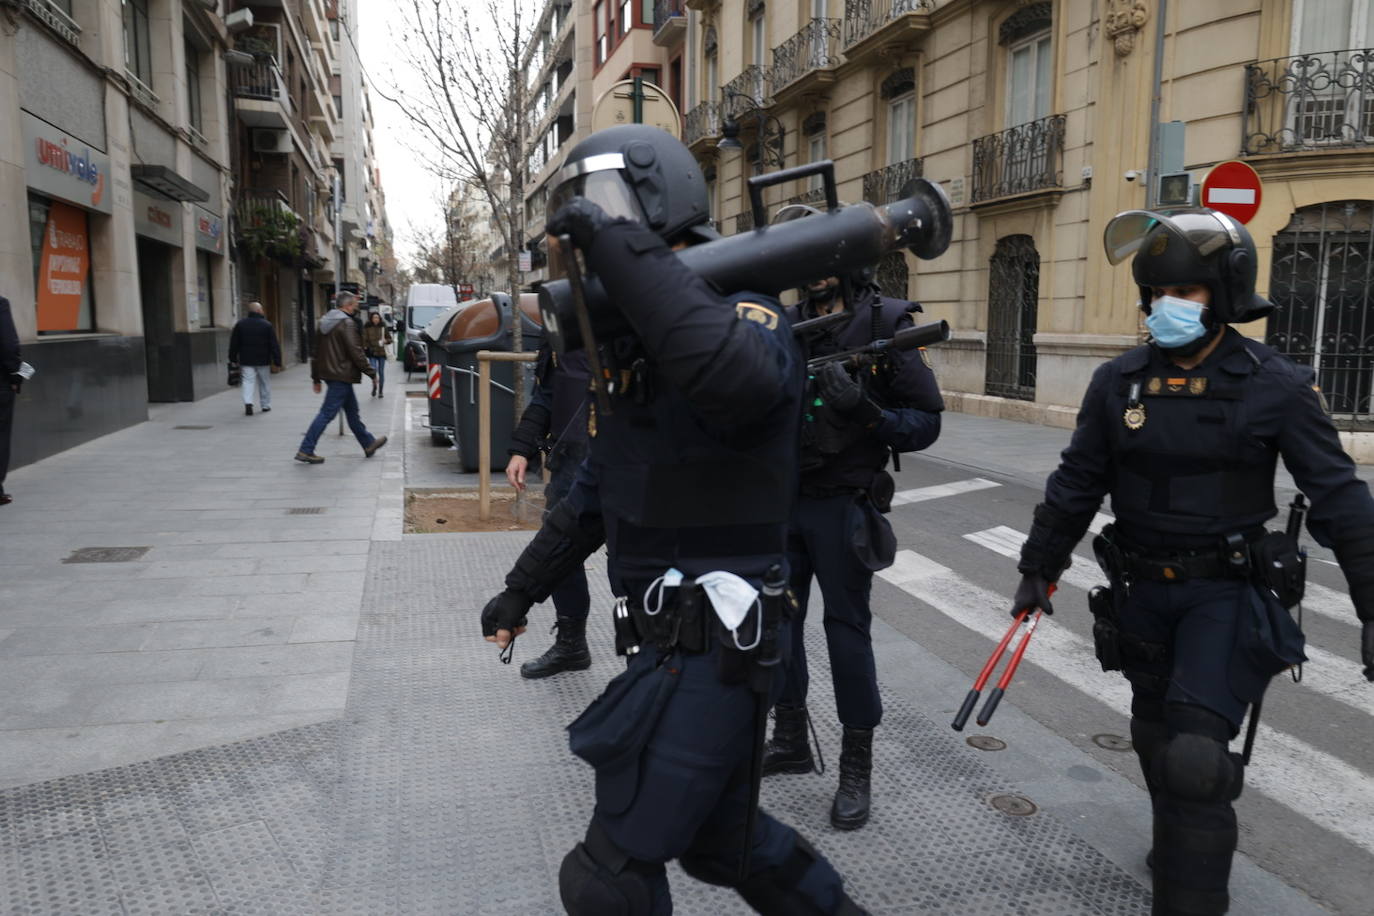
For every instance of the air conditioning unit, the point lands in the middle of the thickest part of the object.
(271, 141)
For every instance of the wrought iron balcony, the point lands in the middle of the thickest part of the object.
(703, 123)
(670, 22)
(864, 19)
(750, 85)
(1019, 160)
(1309, 102)
(744, 221)
(884, 185)
(815, 47)
(261, 81)
(812, 196)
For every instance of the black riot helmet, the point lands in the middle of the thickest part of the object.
(1181, 247)
(640, 173)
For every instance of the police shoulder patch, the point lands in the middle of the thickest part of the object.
(759, 314)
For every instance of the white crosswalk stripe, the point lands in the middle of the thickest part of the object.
(1326, 673)
(1324, 788)
(942, 490)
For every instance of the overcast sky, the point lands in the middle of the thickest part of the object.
(412, 194)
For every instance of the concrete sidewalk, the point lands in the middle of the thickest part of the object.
(283, 705)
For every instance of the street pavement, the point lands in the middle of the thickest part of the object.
(265, 698)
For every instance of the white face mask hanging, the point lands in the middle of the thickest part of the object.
(733, 598)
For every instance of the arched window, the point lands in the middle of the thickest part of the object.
(1013, 294)
(1030, 66)
(1320, 282)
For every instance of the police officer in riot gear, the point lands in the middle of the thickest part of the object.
(851, 424)
(555, 423)
(1183, 433)
(689, 480)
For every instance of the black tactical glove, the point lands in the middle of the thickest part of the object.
(1367, 649)
(507, 611)
(1033, 592)
(581, 219)
(845, 397)
(16, 382)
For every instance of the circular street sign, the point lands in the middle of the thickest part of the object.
(617, 106)
(1232, 188)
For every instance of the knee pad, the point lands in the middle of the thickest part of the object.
(1194, 765)
(589, 888)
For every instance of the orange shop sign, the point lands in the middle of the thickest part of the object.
(63, 268)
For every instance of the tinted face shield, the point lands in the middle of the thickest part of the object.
(1203, 231)
(599, 179)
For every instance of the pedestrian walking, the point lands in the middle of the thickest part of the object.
(555, 423)
(339, 364)
(10, 384)
(1183, 433)
(839, 534)
(253, 347)
(376, 338)
(689, 482)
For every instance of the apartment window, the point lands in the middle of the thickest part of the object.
(1029, 74)
(901, 128)
(646, 12)
(137, 59)
(648, 74)
(758, 40)
(1332, 25)
(193, 108)
(815, 149)
(712, 78)
(624, 18)
(338, 106)
(334, 29)
(599, 25)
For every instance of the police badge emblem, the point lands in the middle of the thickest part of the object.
(1134, 417)
(1156, 385)
(1197, 386)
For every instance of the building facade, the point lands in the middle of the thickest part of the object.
(170, 160)
(1036, 118)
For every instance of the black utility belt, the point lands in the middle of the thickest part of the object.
(1179, 568)
(684, 622)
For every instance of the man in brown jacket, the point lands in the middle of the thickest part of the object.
(340, 363)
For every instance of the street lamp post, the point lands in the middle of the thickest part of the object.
(768, 130)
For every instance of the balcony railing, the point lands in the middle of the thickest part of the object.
(703, 122)
(752, 84)
(864, 17)
(744, 221)
(884, 185)
(1309, 102)
(665, 12)
(815, 47)
(261, 81)
(1019, 160)
(811, 196)
(258, 206)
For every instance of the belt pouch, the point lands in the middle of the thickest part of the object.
(1267, 633)
(1280, 567)
(1106, 635)
(611, 734)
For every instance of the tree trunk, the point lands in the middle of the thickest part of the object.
(517, 228)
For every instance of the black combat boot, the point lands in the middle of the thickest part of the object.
(788, 751)
(568, 652)
(850, 810)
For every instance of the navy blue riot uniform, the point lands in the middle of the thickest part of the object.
(689, 478)
(1196, 616)
(555, 423)
(839, 535)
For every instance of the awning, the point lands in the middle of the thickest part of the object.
(165, 181)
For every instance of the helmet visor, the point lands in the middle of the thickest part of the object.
(1206, 231)
(606, 189)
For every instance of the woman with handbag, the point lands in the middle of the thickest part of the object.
(376, 338)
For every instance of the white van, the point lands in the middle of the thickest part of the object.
(424, 303)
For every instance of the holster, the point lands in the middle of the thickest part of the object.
(1279, 566)
(683, 623)
(1106, 634)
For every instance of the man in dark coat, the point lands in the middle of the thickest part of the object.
(253, 346)
(10, 383)
(339, 364)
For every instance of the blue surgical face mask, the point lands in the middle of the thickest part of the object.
(1175, 322)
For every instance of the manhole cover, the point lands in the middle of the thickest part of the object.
(106, 554)
(306, 510)
(986, 743)
(192, 427)
(1014, 805)
(1112, 742)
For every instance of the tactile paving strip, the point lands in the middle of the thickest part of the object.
(448, 788)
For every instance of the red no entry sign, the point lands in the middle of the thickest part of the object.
(1232, 188)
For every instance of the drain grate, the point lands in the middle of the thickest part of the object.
(1113, 742)
(1014, 805)
(306, 510)
(106, 554)
(192, 427)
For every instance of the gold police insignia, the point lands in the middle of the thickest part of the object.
(1160, 243)
(1175, 384)
(1155, 385)
(1197, 386)
(1134, 418)
(759, 314)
